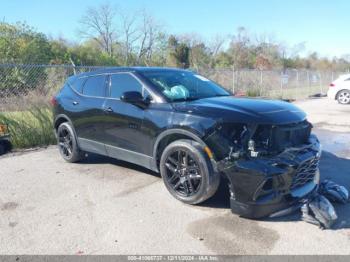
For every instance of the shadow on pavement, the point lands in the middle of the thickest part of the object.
(331, 167)
(99, 159)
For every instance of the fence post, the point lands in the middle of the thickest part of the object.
(72, 62)
(321, 89)
(261, 82)
(308, 82)
(297, 84)
(281, 83)
(233, 79)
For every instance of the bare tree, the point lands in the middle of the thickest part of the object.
(149, 32)
(240, 48)
(130, 34)
(98, 24)
(216, 46)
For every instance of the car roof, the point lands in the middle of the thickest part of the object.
(111, 70)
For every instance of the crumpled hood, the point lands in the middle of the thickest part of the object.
(244, 110)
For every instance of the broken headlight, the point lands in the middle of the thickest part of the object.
(230, 140)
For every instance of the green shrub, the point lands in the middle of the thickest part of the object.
(30, 128)
(253, 92)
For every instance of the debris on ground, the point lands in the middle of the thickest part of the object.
(334, 192)
(319, 210)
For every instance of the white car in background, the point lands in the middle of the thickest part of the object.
(339, 89)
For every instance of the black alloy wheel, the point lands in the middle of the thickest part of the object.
(67, 143)
(187, 172)
(183, 172)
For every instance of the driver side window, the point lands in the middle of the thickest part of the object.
(123, 82)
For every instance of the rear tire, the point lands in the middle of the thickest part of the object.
(343, 97)
(67, 143)
(187, 172)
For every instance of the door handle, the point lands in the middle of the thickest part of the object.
(108, 110)
(75, 103)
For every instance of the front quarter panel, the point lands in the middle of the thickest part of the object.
(160, 118)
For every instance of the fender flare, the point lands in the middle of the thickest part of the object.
(63, 116)
(177, 131)
(60, 116)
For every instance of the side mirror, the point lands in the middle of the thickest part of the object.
(135, 98)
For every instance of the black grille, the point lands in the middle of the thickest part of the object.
(305, 173)
(290, 135)
(278, 138)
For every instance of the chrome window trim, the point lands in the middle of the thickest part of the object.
(144, 87)
(153, 94)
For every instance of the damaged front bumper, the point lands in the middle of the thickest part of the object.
(263, 187)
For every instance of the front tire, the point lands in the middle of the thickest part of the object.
(187, 172)
(343, 97)
(67, 143)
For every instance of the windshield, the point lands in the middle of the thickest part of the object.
(184, 86)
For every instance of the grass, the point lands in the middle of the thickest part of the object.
(30, 128)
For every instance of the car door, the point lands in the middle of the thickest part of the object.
(89, 116)
(123, 133)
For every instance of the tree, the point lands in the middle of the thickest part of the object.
(178, 53)
(60, 52)
(215, 47)
(19, 43)
(200, 56)
(98, 24)
(240, 49)
(151, 34)
(89, 54)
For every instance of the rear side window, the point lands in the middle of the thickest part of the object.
(78, 84)
(95, 86)
(121, 83)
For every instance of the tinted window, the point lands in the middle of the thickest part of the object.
(78, 84)
(95, 86)
(121, 83)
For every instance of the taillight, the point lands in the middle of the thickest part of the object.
(331, 85)
(53, 101)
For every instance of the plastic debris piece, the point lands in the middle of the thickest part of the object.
(319, 211)
(334, 192)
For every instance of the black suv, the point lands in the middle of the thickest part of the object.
(194, 133)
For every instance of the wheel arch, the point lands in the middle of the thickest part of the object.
(171, 135)
(61, 119)
(343, 89)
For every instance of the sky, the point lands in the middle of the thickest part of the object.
(322, 24)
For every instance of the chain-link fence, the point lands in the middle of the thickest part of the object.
(289, 84)
(24, 85)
